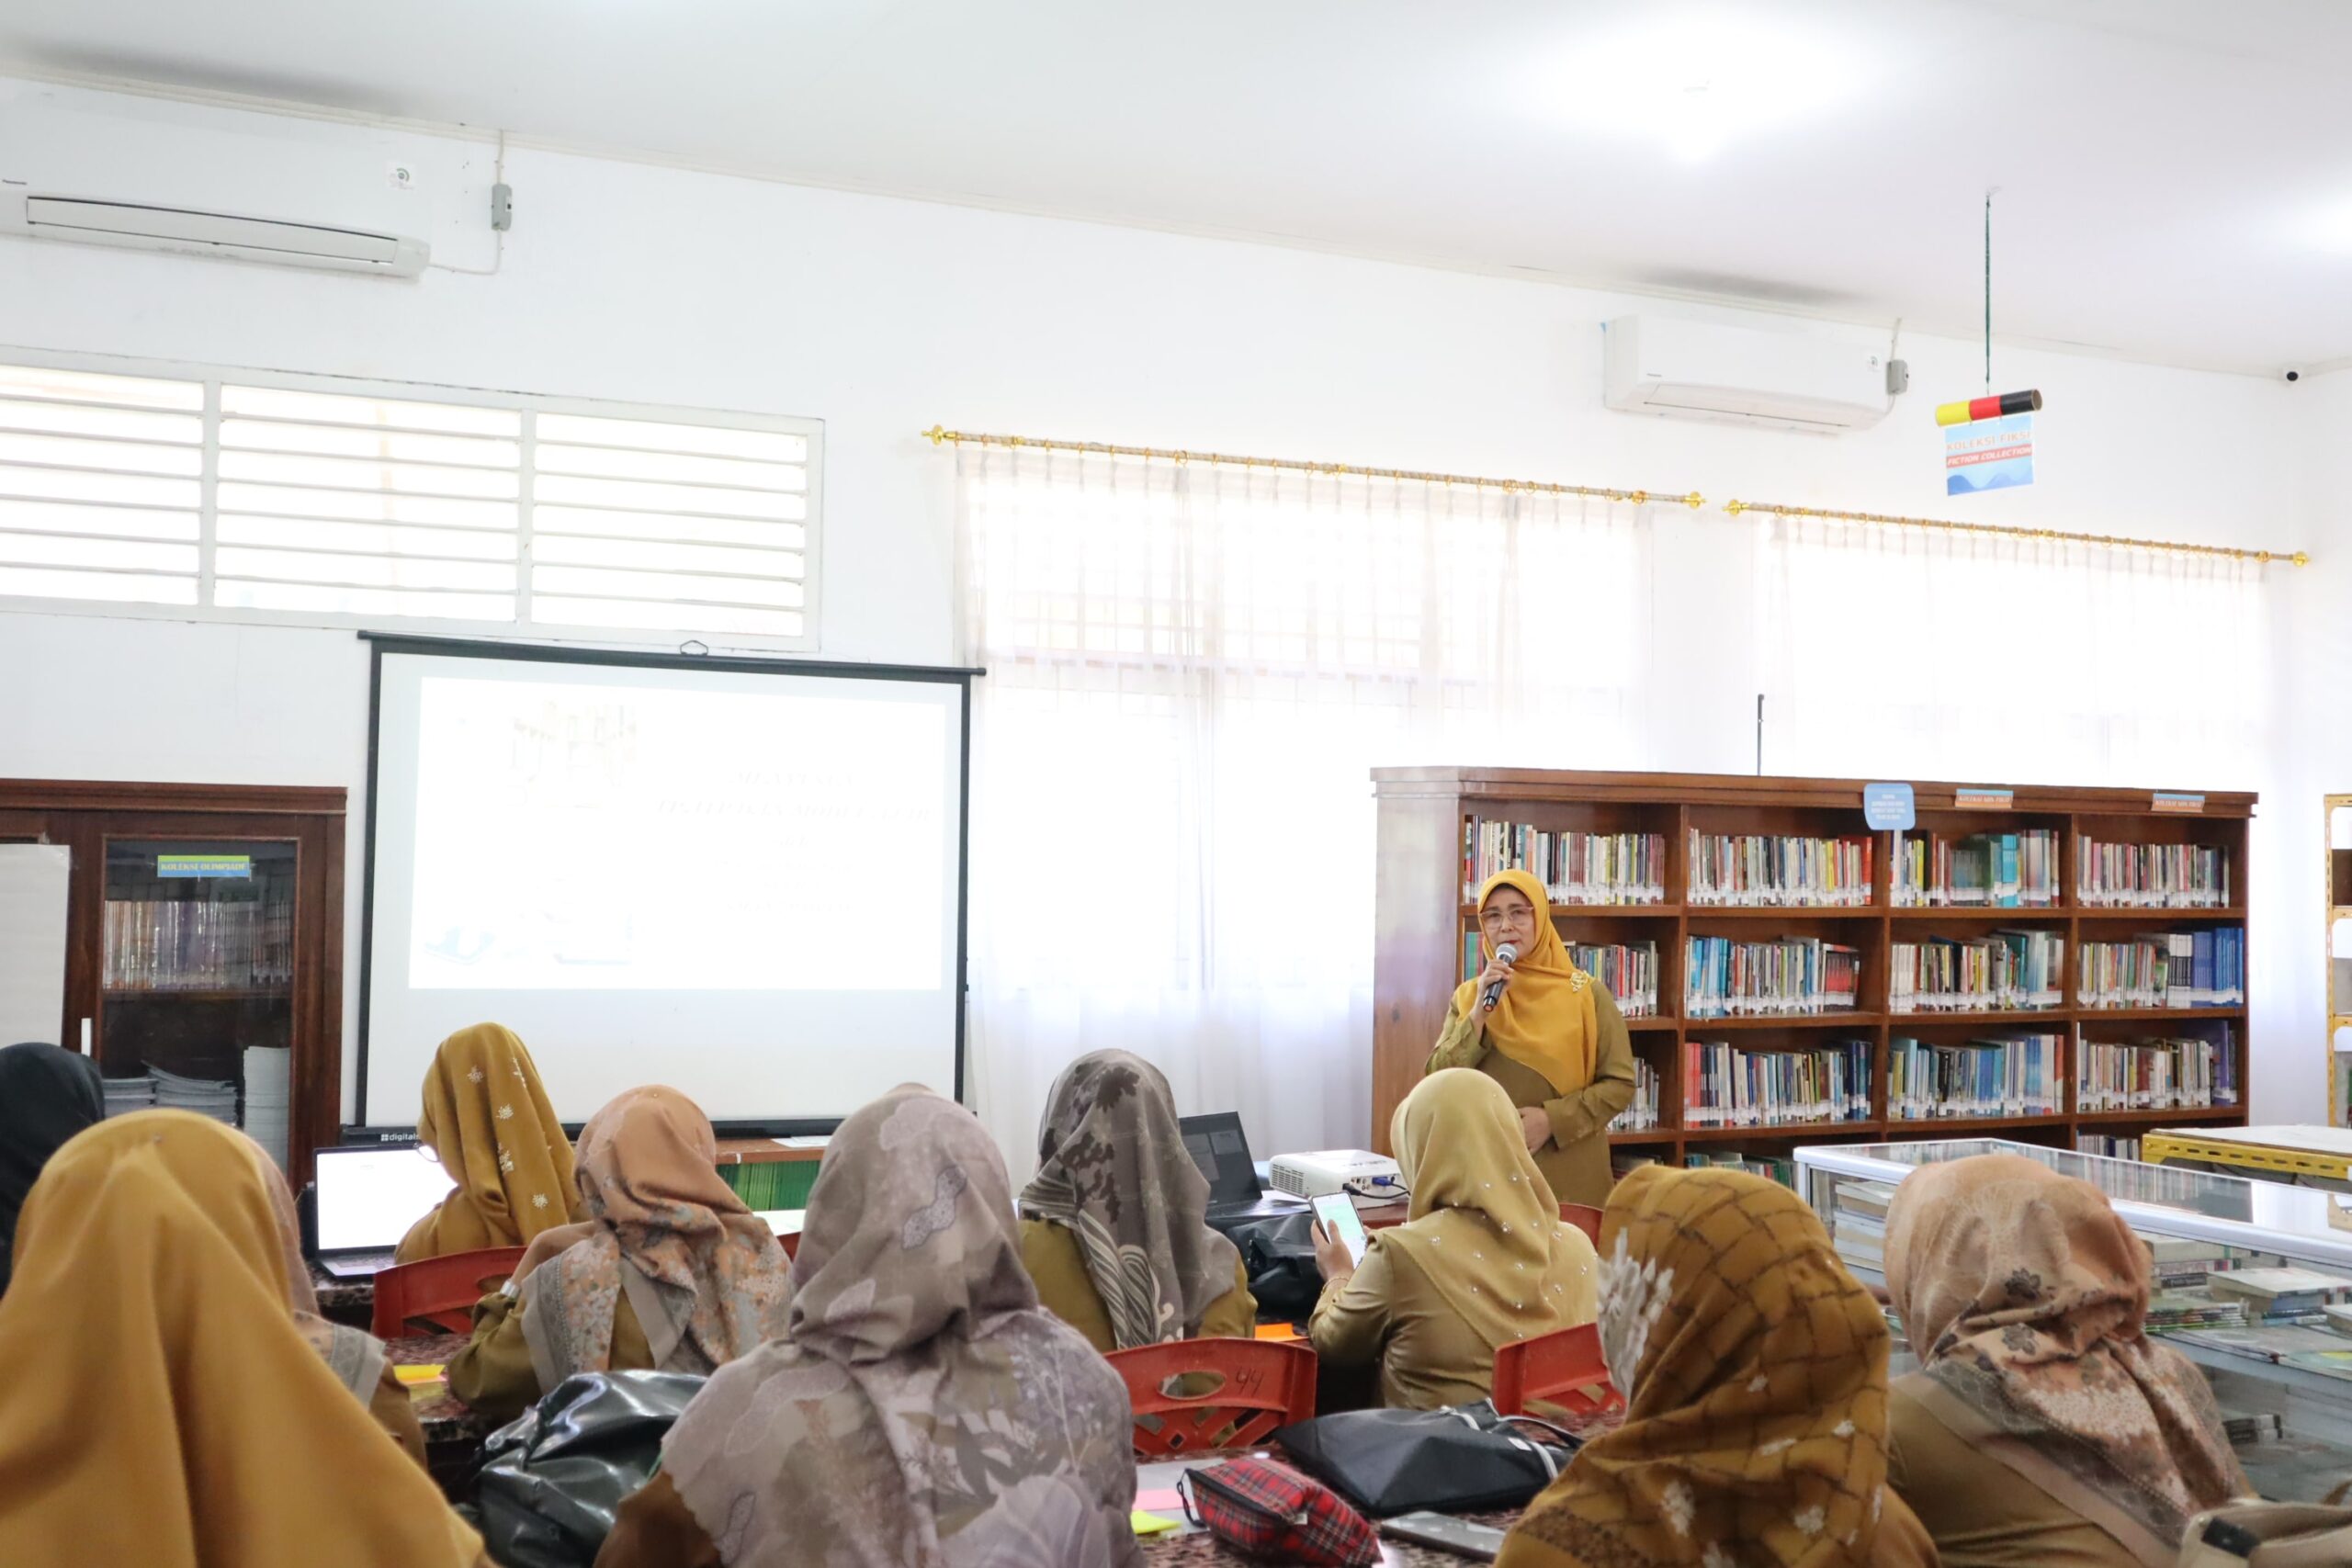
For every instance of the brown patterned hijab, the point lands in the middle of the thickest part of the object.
(705, 1276)
(2025, 1295)
(1755, 1374)
(1113, 1172)
(920, 1410)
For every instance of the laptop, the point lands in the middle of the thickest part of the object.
(368, 1198)
(1221, 1149)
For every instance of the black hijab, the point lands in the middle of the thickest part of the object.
(46, 1095)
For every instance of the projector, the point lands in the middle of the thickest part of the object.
(1330, 1170)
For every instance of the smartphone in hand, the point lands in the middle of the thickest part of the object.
(1337, 1212)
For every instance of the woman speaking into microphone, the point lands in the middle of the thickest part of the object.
(1548, 1033)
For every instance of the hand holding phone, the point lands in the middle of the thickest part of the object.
(1335, 1219)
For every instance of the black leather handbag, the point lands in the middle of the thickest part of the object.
(1279, 1254)
(1463, 1459)
(553, 1479)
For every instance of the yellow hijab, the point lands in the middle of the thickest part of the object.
(1483, 1228)
(161, 1407)
(1546, 1020)
(487, 1117)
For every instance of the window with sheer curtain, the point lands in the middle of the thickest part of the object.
(2037, 660)
(1191, 670)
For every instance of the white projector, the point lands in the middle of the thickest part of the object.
(1332, 1171)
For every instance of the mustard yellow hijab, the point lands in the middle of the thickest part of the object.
(162, 1406)
(487, 1119)
(1546, 1021)
(1483, 1228)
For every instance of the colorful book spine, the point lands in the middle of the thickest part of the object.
(1776, 870)
(2151, 876)
(1726, 977)
(1726, 1086)
(1998, 1076)
(1575, 868)
(2016, 870)
(2156, 1075)
(1642, 1113)
(2000, 972)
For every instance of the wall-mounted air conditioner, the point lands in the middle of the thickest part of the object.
(1664, 365)
(145, 226)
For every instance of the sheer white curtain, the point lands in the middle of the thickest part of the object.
(1191, 669)
(1897, 653)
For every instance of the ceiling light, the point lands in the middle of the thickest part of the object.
(1696, 80)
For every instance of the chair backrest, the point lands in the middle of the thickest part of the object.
(1585, 1218)
(1563, 1368)
(437, 1294)
(1193, 1395)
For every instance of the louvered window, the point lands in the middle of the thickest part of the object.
(288, 499)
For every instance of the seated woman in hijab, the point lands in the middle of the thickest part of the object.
(669, 1270)
(487, 1120)
(1754, 1371)
(921, 1409)
(46, 1095)
(1114, 1227)
(2043, 1426)
(1483, 1260)
(163, 1405)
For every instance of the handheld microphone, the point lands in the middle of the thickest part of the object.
(1508, 955)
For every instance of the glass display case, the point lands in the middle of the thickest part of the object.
(2280, 1372)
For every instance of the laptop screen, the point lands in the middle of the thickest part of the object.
(1218, 1146)
(368, 1197)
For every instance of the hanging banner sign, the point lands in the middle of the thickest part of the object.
(1988, 454)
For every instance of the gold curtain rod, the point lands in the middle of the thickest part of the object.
(937, 434)
(2175, 547)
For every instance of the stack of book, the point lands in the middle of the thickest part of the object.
(772, 1184)
(2181, 1263)
(2192, 1309)
(2165, 969)
(1724, 1086)
(1999, 971)
(1730, 978)
(2156, 1075)
(1768, 869)
(2280, 1296)
(1858, 1223)
(1985, 870)
(122, 1095)
(1783, 1171)
(1628, 969)
(1641, 1115)
(1575, 868)
(2101, 1144)
(268, 1098)
(2151, 876)
(216, 1098)
(2003, 1076)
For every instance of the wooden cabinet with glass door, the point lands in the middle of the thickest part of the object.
(203, 965)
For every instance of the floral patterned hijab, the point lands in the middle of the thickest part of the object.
(1754, 1369)
(487, 1120)
(921, 1409)
(1113, 1172)
(705, 1276)
(2025, 1293)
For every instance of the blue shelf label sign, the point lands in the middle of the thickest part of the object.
(204, 865)
(1888, 806)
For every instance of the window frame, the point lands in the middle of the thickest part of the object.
(211, 377)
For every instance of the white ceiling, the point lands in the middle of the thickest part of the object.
(2174, 175)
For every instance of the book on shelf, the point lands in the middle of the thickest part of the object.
(1728, 977)
(1640, 1115)
(2000, 971)
(161, 944)
(1725, 1086)
(2012, 1074)
(1779, 869)
(1575, 868)
(2104, 1144)
(2156, 1075)
(2151, 876)
(2280, 1296)
(2003, 871)
(1623, 1162)
(2165, 969)
(2175, 1310)
(1629, 969)
(1783, 1171)
(1858, 1222)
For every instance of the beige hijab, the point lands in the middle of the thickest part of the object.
(1483, 1226)
(705, 1276)
(920, 1410)
(2025, 1295)
(487, 1121)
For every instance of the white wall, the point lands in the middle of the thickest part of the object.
(882, 317)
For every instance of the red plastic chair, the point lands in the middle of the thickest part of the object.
(1262, 1384)
(1585, 1218)
(437, 1296)
(1561, 1369)
(790, 1240)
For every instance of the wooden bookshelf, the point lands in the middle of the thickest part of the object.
(1422, 919)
